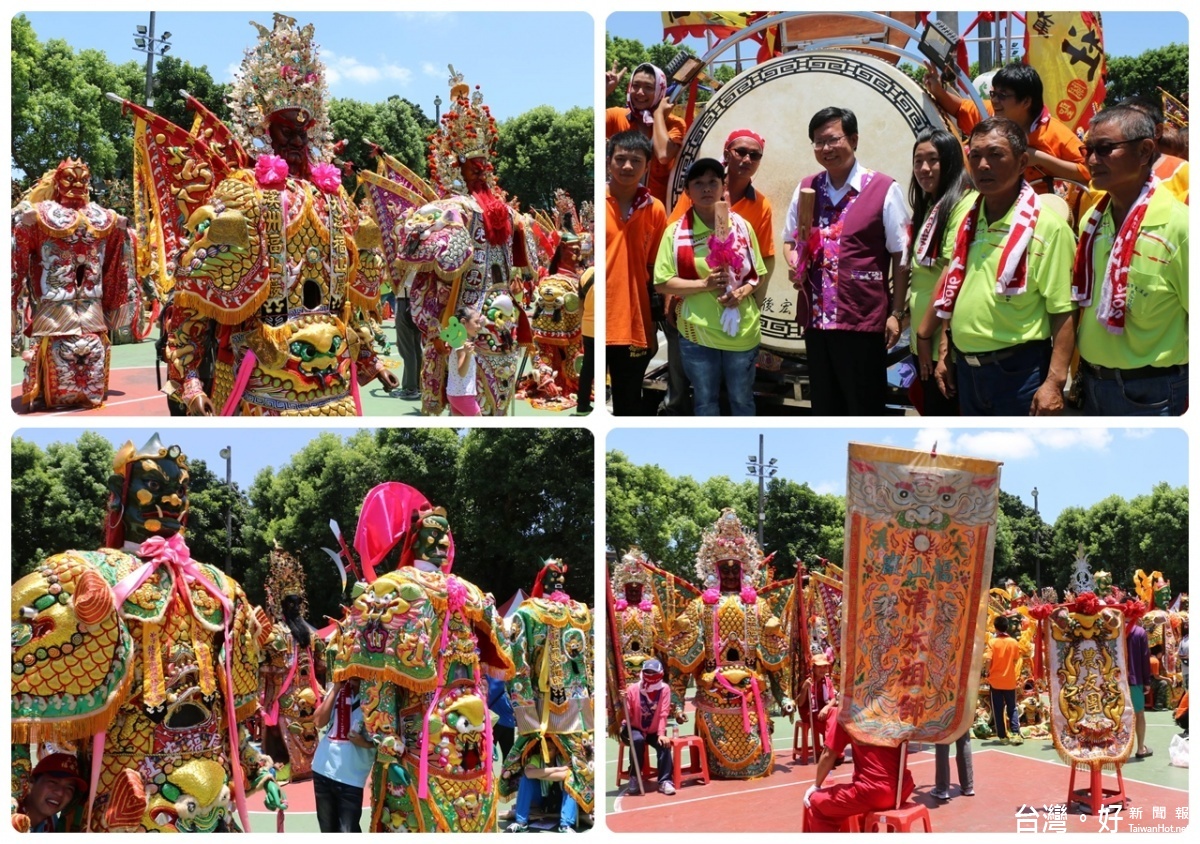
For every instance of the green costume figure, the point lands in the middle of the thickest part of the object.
(552, 692)
(148, 656)
(423, 642)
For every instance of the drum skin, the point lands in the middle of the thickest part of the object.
(776, 99)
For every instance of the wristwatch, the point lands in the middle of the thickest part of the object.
(899, 314)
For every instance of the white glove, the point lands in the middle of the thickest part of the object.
(811, 790)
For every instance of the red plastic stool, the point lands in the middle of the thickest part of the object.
(625, 772)
(800, 742)
(898, 820)
(697, 768)
(1095, 795)
(852, 824)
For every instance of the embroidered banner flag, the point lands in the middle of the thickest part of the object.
(920, 532)
(1091, 712)
(1067, 48)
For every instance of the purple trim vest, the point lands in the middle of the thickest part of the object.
(849, 276)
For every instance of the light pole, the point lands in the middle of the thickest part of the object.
(762, 469)
(437, 109)
(144, 42)
(1037, 541)
(227, 453)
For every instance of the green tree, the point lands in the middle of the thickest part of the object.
(393, 124)
(172, 75)
(209, 498)
(628, 53)
(524, 495)
(1142, 75)
(1160, 532)
(802, 525)
(544, 149)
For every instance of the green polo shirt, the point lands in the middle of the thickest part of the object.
(1156, 311)
(984, 321)
(922, 281)
(700, 320)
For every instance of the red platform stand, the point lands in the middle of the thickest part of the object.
(1095, 795)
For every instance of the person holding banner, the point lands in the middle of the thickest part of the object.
(1131, 277)
(851, 262)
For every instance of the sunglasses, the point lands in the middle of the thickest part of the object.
(1104, 150)
(741, 152)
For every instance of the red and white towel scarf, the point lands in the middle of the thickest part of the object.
(1114, 289)
(1010, 281)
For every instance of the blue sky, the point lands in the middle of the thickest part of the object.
(1069, 466)
(374, 55)
(249, 454)
(1125, 33)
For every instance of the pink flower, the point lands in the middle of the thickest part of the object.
(271, 172)
(559, 597)
(456, 594)
(749, 595)
(646, 605)
(327, 178)
(711, 595)
(621, 605)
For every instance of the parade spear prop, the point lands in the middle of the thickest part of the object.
(616, 677)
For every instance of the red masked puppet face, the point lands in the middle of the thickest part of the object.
(72, 183)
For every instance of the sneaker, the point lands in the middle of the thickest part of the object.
(1016, 739)
(633, 789)
(566, 829)
(517, 827)
(969, 792)
(666, 787)
(939, 795)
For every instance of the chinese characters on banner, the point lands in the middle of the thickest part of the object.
(1067, 50)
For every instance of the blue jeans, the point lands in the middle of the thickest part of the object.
(530, 789)
(339, 806)
(706, 367)
(1160, 395)
(1004, 712)
(1003, 388)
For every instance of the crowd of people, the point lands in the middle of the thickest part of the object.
(1087, 292)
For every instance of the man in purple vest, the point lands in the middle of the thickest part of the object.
(850, 268)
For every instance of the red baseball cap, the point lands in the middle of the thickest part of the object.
(62, 766)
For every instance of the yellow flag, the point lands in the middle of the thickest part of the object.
(1067, 50)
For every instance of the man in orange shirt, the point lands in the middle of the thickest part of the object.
(647, 110)
(1055, 152)
(634, 225)
(743, 155)
(1003, 654)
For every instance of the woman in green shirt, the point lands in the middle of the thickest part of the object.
(940, 194)
(714, 345)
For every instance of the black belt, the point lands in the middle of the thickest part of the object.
(986, 358)
(1104, 373)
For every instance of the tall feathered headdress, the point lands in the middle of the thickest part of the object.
(468, 131)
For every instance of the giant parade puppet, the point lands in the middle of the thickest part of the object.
(146, 658)
(730, 641)
(637, 618)
(292, 671)
(424, 642)
(551, 691)
(268, 258)
(72, 262)
(465, 244)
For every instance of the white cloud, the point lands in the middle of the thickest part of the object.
(1138, 433)
(430, 69)
(1013, 444)
(829, 488)
(341, 68)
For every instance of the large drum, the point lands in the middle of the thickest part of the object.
(776, 99)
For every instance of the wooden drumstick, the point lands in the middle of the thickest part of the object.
(721, 223)
(808, 205)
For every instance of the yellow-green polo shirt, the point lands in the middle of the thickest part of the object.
(923, 280)
(700, 319)
(984, 321)
(1156, 310)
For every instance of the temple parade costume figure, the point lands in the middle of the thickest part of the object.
(292, 672)
(730, 641)
(275, 258)
(72, 260)
(551, 695)
(423, 642)
(466, 245)
(557, 321)
(638, 618)
(148, 656)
